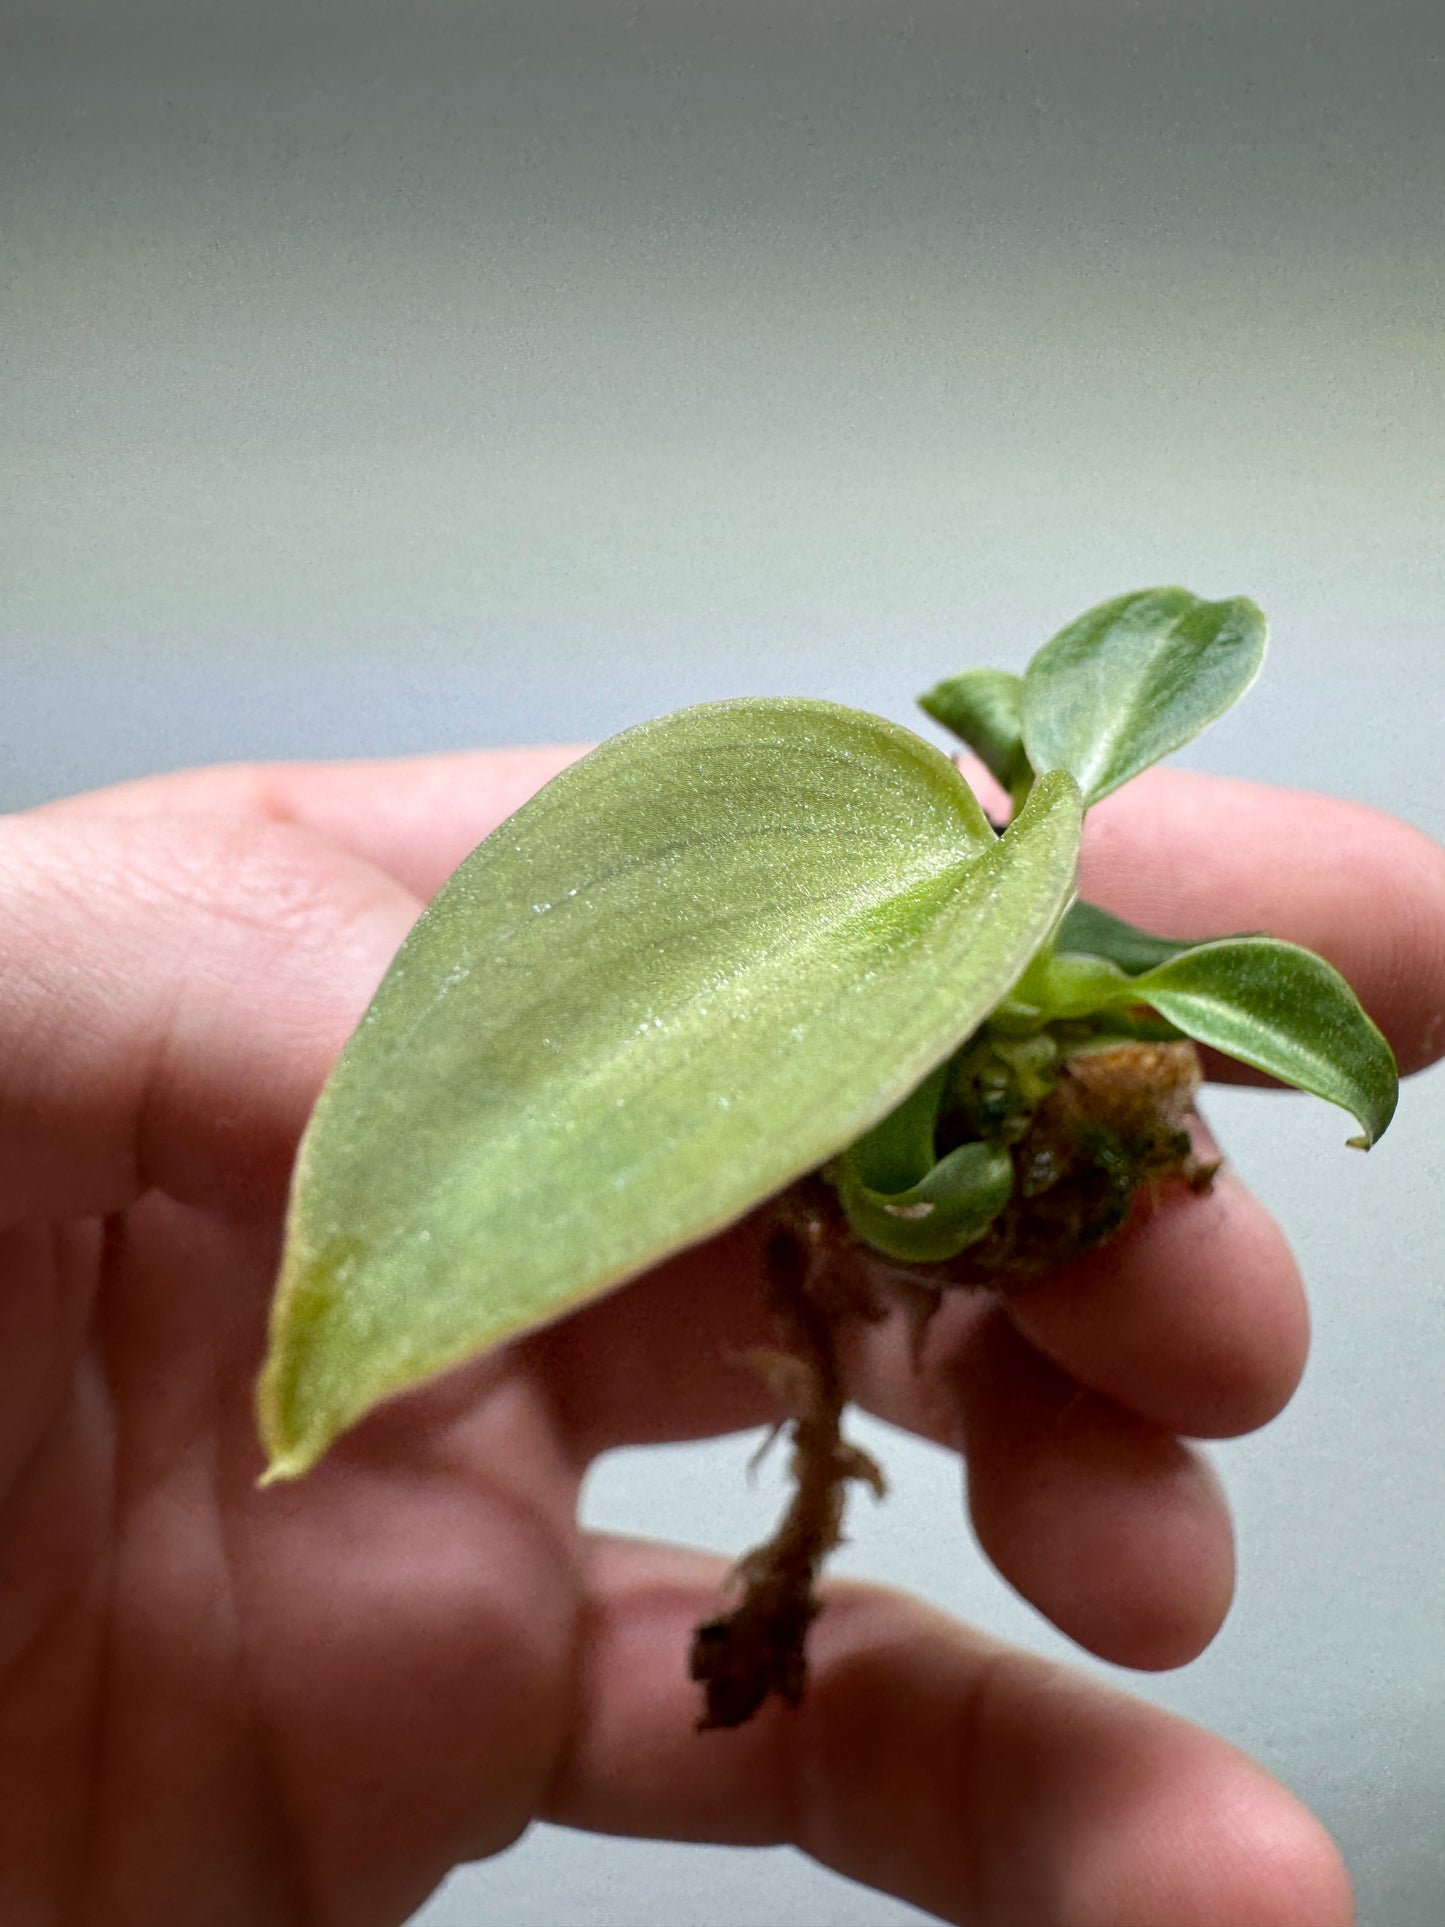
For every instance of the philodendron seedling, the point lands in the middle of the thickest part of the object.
(773, 954)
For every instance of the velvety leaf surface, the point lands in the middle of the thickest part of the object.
(1285, 1011)
(698, 964)
(984, 708)
(1134, 679)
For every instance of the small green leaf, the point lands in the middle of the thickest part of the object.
(1092, 932)
(897, 1152)
(1285, 1011)
(699, 963)
(984, 708)
(1061, 984)
(945, 1212)
(1134, 679)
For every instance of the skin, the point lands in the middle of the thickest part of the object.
(306, 1705)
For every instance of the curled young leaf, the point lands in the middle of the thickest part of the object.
(953, 1204)
(905, 1201)
(984, 708)
(1134, 679)
(699, 963)
(899, 1150)
(1285, 1011)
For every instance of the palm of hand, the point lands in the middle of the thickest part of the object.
(211, 1691)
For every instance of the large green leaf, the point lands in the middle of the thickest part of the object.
(1284, 1010)
(698, 964)
(1134, 679)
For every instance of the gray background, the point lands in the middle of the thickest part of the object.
(382, 377)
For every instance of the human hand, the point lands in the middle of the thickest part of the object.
(306, 1705)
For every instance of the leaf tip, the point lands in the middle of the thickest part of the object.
(287, 1456)
(291, 1449)
(1375, 1126)
(281, 1471)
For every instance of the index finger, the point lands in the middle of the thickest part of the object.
(980, 1784)
(1180, 853)
(1187, 855)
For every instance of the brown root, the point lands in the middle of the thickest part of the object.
(758, 1648)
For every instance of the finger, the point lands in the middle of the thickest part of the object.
(1187, 855)
(979, 1784)
(414, 817)
(1180, 853)
(1194, 1316)
(1110, 1526)
(1116, 1531)
(175, 992)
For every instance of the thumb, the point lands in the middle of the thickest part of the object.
(173, 993)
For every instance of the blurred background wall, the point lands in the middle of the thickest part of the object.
(381, 376)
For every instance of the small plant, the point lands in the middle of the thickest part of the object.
(773, 953)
